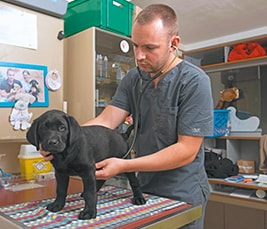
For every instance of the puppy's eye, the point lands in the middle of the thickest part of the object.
(61, 128)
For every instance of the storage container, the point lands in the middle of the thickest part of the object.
(220, 123)
(112, 15)
(246, 166)
(32, 162)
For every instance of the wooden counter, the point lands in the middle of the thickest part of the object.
(174, 217)
(231, 198)
(228, 208)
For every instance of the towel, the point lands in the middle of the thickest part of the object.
(263, 153)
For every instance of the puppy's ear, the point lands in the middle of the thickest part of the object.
(32, 134)
(74, 129)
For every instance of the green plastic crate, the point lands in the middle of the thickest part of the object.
(112, 15)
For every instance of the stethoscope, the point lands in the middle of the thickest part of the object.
(142, 90)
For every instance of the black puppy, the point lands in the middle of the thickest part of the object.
(76, 150)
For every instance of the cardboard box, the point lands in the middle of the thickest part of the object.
(246, 166)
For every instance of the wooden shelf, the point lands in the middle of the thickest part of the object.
(240, 194)
(15, 140)
(216, 57)
(262, 39)
(258, 204)
(252, 185)
(252, 138)
(257, 61)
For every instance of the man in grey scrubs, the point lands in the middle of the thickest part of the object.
(175, 112)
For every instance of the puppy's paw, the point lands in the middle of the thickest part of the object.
(138, 200)
(86, 214)
(55, 206)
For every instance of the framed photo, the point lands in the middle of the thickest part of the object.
(23, 78)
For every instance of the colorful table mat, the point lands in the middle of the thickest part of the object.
(114, 210)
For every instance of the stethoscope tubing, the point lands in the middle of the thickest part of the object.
(142, 90)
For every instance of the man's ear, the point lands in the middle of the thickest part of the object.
(175, 41)
(32, 134)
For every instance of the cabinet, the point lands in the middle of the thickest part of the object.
(229, 216)
(85, 92)
(224, 209)
(227, 211)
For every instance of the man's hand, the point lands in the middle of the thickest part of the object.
(47, 155)
(109, 168)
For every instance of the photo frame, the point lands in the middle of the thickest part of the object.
(23, 78)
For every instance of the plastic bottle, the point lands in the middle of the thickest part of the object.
(96, 97)
(105, 67)
(99, 65)
(96, 65)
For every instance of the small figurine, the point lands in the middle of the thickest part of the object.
(20, 117)
(227, 95)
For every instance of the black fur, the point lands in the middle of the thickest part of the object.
(75, 150)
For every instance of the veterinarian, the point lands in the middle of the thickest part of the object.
(175, 112)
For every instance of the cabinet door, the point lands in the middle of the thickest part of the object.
(119, 60)
(214, 216)
(242, 217)
(86, 92)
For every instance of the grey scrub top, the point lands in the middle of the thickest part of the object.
(181, 104)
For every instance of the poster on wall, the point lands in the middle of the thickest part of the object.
(14, 22)
(23, 78)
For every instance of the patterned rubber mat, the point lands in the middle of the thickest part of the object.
(114, 210)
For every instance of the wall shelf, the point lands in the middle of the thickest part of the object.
(217, 56)
(249, 138)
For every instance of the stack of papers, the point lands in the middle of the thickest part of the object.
(262, 179)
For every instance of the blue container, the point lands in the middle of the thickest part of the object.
(220, 123)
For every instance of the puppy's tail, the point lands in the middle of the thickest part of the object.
(127, 133)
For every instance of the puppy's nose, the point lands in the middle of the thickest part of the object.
(53, 142)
